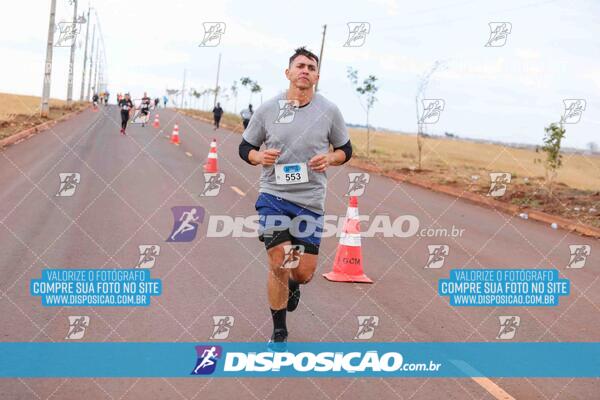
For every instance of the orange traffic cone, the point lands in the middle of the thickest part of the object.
(156, 123)
(347, 266)
(175, 135)
(211, 162)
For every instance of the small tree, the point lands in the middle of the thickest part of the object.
(367, 91)
(253, 86)
(424, 82)
(555, 133)
(234, 93)
(256, 89)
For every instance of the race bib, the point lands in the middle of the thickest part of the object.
(290, 174)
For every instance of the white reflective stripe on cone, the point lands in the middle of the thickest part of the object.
(350, 239)
(212, 155)
(352, 212)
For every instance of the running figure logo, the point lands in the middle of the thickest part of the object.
(207, 359)
(185, 225)
(499, 183)
(148, 254)
(437, 255)
(358, 183)
(366, 326)
(68, 33)
(357, 33)
(212, 183)
(508, 327)
(212, 34)
(77, 326)
(287, 111)
(222, 326)
(579, 254)
(68, 183)
(573, 110)
(292, 254)
(432, 109)
(499, 32)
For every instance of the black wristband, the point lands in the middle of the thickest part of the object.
(244, 150)
(347, 149)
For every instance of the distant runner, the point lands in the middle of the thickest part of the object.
(217, 114)
(125, 105)
(145, 109)
(246, 114)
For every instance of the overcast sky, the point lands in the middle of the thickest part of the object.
(507, 93)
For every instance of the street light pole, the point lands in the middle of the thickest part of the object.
(217, 84)
(85, 56)
(96, 66)
(72, 56)
(321, 53)
(45, 106)
(91, 63)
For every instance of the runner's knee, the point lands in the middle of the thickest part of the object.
(276, 256)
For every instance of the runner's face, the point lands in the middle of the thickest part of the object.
(302, 73)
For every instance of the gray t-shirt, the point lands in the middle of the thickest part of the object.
(300, 134)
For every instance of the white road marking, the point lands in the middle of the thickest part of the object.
(493, 389)
(238, 191)
(187, 153)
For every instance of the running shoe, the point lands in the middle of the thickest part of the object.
(278, 341)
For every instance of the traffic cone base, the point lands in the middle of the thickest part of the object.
(341, 277)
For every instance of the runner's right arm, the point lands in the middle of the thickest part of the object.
(252, 138)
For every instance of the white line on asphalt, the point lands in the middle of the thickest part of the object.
(238, 191)
(486, 383)
(493, 389)
(187, 153)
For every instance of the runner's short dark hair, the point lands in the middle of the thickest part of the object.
(301, 51)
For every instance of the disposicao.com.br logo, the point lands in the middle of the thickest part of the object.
(288, 363)
(326, 226)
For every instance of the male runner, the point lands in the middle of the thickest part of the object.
(217, 114)
(293, 181)
(95, 100)
(145, 109)
(126, 105)
(246, 114)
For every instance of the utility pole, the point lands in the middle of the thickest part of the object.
(217, 84)
(72, 56)
(321, 54)
(182, 90)
(96, 65)
(45, 106)
(91, 62)
(87, 32)
(100, 68)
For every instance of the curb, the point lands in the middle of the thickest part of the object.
(27, 133)
(476, 198)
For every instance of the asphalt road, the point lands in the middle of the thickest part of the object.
(128, 186)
